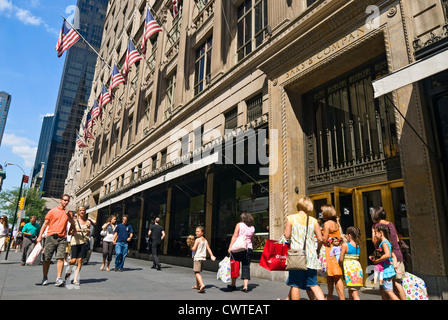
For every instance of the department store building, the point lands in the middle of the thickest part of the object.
(320, 98)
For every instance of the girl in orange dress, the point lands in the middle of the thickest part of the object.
(334, 271)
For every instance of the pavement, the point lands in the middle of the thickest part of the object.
(137, 282)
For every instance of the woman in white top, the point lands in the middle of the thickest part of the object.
(4, 231)
(108, 245)
(78, 243)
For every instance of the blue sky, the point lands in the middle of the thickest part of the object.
(31, 72)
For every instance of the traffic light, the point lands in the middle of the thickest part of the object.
(21, 203)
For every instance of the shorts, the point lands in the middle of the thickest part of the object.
(303, 279)
(79, 251)
(388, 284)
(198, 265)
(53, 245)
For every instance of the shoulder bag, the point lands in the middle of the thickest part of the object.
(296, 259)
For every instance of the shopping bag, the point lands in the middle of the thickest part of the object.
(224, 273)
(414, 287)
(322, 271)
(234, 268)
(274, 256)
(34, 257)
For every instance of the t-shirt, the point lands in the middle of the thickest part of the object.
(34, 229)
(123, 232)
(57, 222)
(394, 242)
(156, 233)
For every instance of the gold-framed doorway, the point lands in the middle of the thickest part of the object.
(353, 208)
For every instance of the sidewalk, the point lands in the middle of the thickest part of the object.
(137, 282)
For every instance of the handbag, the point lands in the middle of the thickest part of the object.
(240, 244)
(296, 258)
(274, 255)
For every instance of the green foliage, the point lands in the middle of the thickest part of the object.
(34, 204)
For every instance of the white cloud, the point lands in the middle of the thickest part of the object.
(21, 146)
(6, 6)
(25, 16)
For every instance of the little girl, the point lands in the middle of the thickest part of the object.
(386, 288)
(349, 260)
(200, 249)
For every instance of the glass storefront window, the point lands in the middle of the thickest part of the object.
(236, 193)
(187, 213)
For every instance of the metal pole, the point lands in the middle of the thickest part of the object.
(15, 218)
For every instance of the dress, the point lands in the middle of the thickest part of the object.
(352, 268)
(333, 268)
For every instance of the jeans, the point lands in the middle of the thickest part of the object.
(121, 250)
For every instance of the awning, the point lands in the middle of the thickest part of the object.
(413, 72)
(157, 181)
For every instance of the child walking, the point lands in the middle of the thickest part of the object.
(200, 248)
(382, 233)
(349, 261)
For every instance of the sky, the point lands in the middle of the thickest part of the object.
(30, 71)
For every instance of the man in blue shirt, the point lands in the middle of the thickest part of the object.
(122, 236)
(30, 231)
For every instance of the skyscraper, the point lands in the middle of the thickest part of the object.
(44, 143)
(5, 101)
(73, 94)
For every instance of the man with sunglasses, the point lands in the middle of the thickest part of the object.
(56, 220)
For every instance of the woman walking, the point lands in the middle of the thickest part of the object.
(4, 231)
(78, 243)
(246, 228)
(301, 227)
(108, 245)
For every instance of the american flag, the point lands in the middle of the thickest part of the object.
(175, 7)
(96, 110)
(116, 79)
(79, 142)
(151, 27)
(67, 38)
(105, 98)
(132, 56)
(88, 128)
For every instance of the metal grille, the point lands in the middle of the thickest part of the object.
(254, 108)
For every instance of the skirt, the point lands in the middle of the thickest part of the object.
(353, 271)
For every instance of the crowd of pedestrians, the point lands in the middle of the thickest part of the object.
(66, 236)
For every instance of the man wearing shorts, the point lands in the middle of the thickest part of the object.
(56, 220)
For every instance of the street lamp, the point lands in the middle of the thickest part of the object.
(24, 179)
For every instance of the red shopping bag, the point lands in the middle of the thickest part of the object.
(234, 268)
(274, 256)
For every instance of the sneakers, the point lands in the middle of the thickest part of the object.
(44, 281)
(59, 282)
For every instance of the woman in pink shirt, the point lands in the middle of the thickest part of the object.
(245, 227)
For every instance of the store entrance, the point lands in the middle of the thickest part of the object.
(353, 206)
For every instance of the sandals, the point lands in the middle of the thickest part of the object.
(201, 289)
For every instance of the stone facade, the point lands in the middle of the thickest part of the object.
(309, 48)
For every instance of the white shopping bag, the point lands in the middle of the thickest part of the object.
(34, 257)
(224, 273)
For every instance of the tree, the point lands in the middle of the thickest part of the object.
(34, 204)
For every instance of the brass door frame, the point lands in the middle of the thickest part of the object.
(358, 209)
